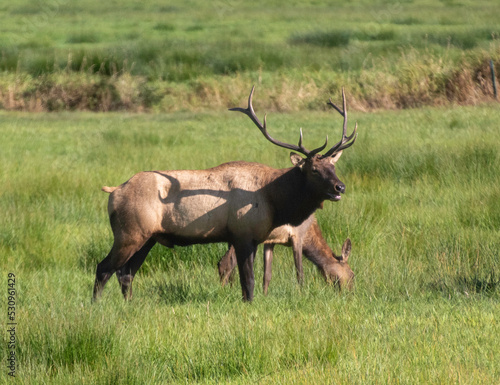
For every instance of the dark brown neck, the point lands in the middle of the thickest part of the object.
(294, 200)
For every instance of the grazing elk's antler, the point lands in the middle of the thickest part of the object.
(346, 140)
(249, 111)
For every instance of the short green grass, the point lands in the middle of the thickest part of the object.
(186, 40)
(421, 207)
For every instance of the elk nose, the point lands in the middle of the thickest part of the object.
(340, 187)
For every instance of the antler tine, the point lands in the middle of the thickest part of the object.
(319, 149)
(334, 106)
(249, 111)
(346, 140)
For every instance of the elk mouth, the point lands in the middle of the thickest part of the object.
(333, 196)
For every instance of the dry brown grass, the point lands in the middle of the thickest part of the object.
(416, 80)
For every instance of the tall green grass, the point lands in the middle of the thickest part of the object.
(421, 208)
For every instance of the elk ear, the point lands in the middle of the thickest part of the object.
(346, 250)
(297, 160)
(334, 159)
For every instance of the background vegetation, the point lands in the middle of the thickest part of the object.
(422, 202)
(193, 55)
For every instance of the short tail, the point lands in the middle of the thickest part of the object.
(108, 189)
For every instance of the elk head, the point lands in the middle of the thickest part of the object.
(339, 272)
(319, 170)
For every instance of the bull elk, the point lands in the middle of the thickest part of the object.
(237, 202)
(305, 238)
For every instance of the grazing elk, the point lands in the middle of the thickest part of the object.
(305, 238)
(236, 202)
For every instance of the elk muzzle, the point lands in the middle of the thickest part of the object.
(338, 188)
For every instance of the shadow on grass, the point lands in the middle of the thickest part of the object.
(182, 292)
(489, 285)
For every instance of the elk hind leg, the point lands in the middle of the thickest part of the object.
(127, 272)
(226, 266)
(268, 262)
(116, 258)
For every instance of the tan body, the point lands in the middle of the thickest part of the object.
(303, 239)
(237, 202)
(192, 206)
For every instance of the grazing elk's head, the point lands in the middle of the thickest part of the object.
(340, 272)
(319, 170)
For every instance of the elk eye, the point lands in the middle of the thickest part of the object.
(315, 171)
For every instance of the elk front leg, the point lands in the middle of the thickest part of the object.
(226, 266)
(127, 272)
(268, 262)
(297, 257)
(245, 255)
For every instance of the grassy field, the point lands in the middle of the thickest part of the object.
(117, 55)
(422, 209)
(422, 206)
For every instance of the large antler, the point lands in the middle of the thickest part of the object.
(262, 127)
(346, 140)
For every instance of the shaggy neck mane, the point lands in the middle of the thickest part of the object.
(293, 197)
